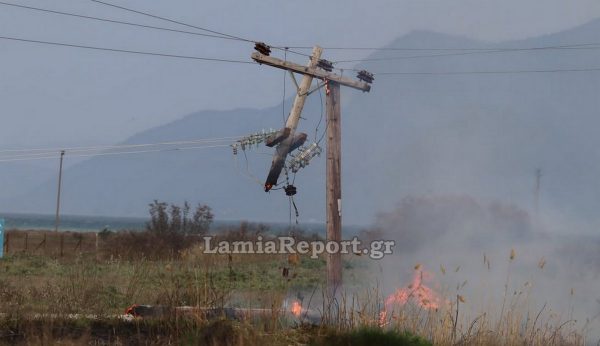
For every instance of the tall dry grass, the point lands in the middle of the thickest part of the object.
(97, 289)
(514, 320)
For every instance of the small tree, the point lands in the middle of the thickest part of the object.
(173, 219)
(159, 220)
(176, 222)
(202, 219)
(185, 219)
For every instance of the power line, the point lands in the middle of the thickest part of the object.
(486, 72)
(114, 21)
(107, 20)
(114, 153)
(507, 50)
(433, 49)
(232, 37)
(112, 147)
(174, 21)
(125, 50)
(221, 35)
(251, 62)
(224, 35)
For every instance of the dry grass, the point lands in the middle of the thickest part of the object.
(456, 322)
(101, 287)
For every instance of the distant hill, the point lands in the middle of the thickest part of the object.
(479, 134)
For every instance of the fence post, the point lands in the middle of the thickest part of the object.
(6, 243)
(79, 240)
(62, 243)
(1, 238)
(97, 254)
(43, 242)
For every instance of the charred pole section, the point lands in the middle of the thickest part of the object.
(286, 139)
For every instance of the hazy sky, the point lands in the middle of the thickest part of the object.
(63, 96)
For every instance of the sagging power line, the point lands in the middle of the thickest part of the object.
(164, 55)
(12, 155)
(486, 51)
(223, 35)
(422, 49)
(106, 147)
(116, 153)
(108, 20)
(399, 73)
(215, 34)
(441, 73)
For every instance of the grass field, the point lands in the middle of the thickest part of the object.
(78, 298)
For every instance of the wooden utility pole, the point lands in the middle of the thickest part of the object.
(538, 182)
(57, 218)
(334, 183)
(332, 82)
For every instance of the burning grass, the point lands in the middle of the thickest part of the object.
(39, 297)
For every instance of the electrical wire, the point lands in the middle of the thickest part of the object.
(287, 49)
(114, 153)
(463, 51)
(326, 121)
(485, 72)
(103, 152)
(297, 213)
(126, 51)
(221, 35)
(290, 215)
(283, 97)
(108, 20)
(247, 173)
(113, 21)
(320, 118)
(224, 35)
(122, 146)
(440, 49)
(468, 53)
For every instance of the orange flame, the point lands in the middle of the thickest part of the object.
(382, 318)
(296, 308)
(416, 292)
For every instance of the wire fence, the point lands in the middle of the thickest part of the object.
(50, 243)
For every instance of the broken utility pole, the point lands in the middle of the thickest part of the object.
(287, 141)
